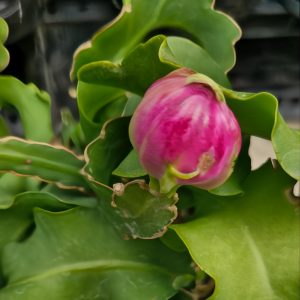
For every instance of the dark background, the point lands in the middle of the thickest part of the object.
(45, 33)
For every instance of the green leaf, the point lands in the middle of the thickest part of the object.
(49, 163)
(77, 254)
(11, 185)
(151, 61)
(32, 104)
(105, 153)
(17, 219)
(4, 55)
(130, 167)
(173, 51)
(93, 100)
(213, 30)
(248, 244)
(4, 130)
(142, 214)
(71, 131)
(263, 108)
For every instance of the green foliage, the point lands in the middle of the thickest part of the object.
(32, 105)
(142, 214)
(49, 163)
(86, 225)
(249, 244)
(130, 28)
(269, 124)
(4, 55)
(90, 262)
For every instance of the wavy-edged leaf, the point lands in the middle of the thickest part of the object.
(151, 61)
(11, 185)
(258, 115)
(130, 167)
(97, 104)
(47, 162)
(249, 244)
(216, 32)
(77, 254)
(4, 54)
(106, 152)
(32, 104)
(142, 214)
(18, 218)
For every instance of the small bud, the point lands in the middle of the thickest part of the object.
(184, 132)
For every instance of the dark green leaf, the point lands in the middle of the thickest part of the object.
(143, 214)
(130, 167)
(105, 153)
(213, 30)
(249, 244)
(93, 100)
(78, 255)
(151, 61)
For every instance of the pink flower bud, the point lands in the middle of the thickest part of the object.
(184, 132)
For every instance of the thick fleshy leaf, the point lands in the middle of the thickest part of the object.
(105, 153)
(143, 214)
(151, 61)
(248, 244)
(49, 163)
(192, 17)
(11, 185)
(90, 262)
(130, 167)
(4, 55)
(16, 220)
(32, 104)
(263, 108)
(97, 104)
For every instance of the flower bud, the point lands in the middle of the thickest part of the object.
(184, 132)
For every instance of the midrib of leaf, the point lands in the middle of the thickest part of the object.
(260, 265)
(101, 265)
(40, 162)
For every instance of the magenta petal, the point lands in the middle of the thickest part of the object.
(183, 131)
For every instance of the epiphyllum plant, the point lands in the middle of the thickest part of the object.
(98, 217)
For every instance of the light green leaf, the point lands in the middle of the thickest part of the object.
(248, 244)
(77, 254)
(268, 124)
(151, 61)
(32, 104)
(142, 214)
(130, 167)
(49, 163)
(105, 153)
(182, 52)
(216, 32)
(4, 55)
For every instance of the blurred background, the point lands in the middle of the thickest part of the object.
(45, 33)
